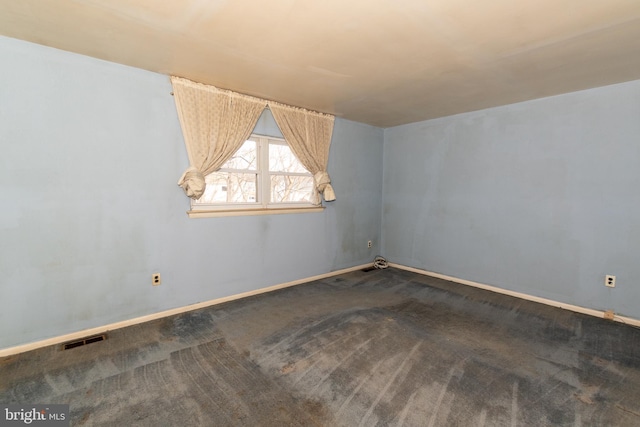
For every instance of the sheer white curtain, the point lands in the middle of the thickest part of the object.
(215, 123)
(309, 135)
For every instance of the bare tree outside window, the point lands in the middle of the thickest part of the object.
(236, 181)
(290, 181)
(263, 172)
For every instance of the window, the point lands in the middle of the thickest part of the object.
(263, 174)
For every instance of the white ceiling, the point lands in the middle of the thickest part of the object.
(382, 62)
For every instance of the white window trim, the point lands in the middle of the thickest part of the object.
(201, 213)
(258, 208)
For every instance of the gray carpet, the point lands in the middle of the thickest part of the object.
(361, 349)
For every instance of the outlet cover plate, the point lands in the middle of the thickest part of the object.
(610, 281)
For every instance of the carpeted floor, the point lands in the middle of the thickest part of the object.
(361, 349)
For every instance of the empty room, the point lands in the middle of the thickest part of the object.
(320, 213)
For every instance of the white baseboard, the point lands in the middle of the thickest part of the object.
(102, 329)
(571, 307)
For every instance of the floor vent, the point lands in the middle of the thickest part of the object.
(83, 341)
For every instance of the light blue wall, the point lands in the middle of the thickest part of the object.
(90, 207)
(541, 197)
(538, 197)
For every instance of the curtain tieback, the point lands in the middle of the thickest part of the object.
(323, 184)
(192, 182)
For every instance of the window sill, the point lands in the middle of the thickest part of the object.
(245, 212)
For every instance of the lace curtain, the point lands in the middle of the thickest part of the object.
(309, 136)
(215, 123)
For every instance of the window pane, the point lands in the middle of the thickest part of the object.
(230, 188)
(282, 159)
(288, 188)
(245, 158)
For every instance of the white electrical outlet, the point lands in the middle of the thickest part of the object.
(156, 279)
(610, 281)
(369, 244)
